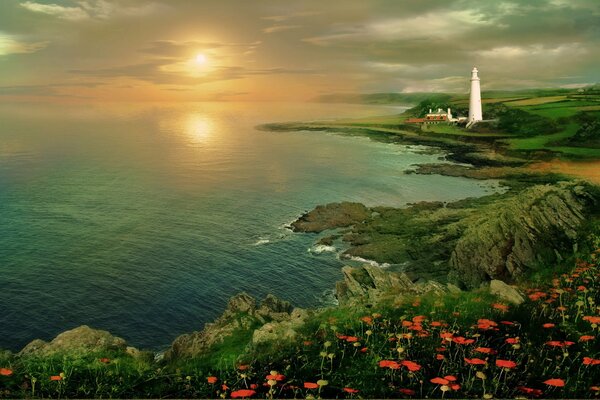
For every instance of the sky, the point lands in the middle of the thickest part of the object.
(274, 50)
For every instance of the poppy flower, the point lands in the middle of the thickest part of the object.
(242, 393)
(275, 377)
(407, 392)
(244, 367)
(307, 343)
(367, 320)
(439, 381)
(590, 361)
(592, 319)
(6, 372)
(500, 306)
(310, 385)
(341, 337)
(450, 378)
(512, 340)
(530, 391)
(439, 357)
(56, 378)
(225, 387)
(505, 364)
(485, 350)
(585, 338)
(419, 318)
(455, 386)
(462, 340)
(364, 349)
(351, 339)
(475, 361)
(350, 390)
(435, 323)
(411, 365)
(555, 382)
(406, 323)
(548, 325)
(253, 386)
(212, 379)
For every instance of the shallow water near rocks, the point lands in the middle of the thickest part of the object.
(144, 220)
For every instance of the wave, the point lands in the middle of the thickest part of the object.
(370, 262)
(321, 248)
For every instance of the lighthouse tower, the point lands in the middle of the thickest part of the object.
(475, 99)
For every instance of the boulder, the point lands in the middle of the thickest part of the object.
(506, 292)
(82, 339)
(282, 331)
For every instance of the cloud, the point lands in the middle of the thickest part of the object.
(10, 45)
(90, 9)
(70, 13)
(279, 28)
(45, 90)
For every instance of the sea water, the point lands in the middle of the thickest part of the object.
(144, 219)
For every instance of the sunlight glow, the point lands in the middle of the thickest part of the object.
(200, 59)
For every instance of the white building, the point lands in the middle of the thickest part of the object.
(475, 113)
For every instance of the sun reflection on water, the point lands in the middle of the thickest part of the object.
(198, 129)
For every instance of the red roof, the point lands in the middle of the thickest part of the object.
(414, 120)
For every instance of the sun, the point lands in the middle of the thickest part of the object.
(200, 59)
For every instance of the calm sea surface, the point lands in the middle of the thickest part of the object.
(144, 220)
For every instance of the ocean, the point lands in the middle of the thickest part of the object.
(144, 219)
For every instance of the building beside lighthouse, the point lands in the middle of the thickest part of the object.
(475, 113)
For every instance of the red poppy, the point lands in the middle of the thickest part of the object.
(505, 363)
(441, 349)
(367, 320)
(419, 318)
(439, 357)
(581, 288)
(450, 378)
(592, 319)
(364, 349)
(406, 323)
(530, 391)
(507, 323)
(454, 386)
(439, 381)
(446, 335)
(105, 360)
(253, 386)
(212, 379)
(501, 307)
(475, 361)
(225, 387)
(548, 325)
(277, 377)
(436, 323)
(590, 361)
(6, 372)
(485, 350)
(555, 382)
(307, 343)
(512, 340)
(244, 367)
(462, 340)
(585, 338)
(408, 392)
(310, 385)
(351, 339)
(56, 378)
(486, 324)
(350, 390)
(242, 393)
(410, 365)
(340, 336)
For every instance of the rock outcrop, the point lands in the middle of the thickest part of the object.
(506, 238)
(242, 314)
(82, 339)
(370, 284)
(331, 216)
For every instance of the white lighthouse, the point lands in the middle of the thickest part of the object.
(475, 113)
